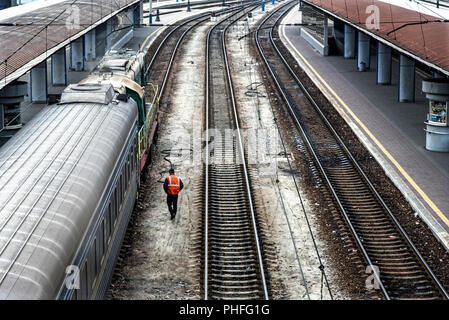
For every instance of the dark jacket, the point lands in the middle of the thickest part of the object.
(181, 185)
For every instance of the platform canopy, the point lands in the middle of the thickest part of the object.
(32, 34)
(414, 28)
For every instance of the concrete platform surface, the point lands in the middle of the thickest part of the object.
(392, 131)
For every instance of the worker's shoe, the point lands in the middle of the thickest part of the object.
(172, 216)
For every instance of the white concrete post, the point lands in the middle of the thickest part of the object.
(406, 79)
(141, 12)
(38, 83)
(326, 35)
(59, 68)
(108, 35)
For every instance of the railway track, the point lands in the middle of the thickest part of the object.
(161, 56)
(399, 268)
(233, 266)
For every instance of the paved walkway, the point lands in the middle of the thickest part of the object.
(392, 131)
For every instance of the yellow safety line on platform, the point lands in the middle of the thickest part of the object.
(371, 135)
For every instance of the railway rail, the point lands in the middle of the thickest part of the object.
(161, 56)
(399, 268)
(233, 263)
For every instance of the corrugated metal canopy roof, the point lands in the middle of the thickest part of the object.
(27, 39)
(428, 42)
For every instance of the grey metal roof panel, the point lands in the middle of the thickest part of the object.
(428, 41)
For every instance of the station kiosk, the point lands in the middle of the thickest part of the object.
(437, 129)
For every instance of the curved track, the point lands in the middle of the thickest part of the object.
(402, 271)
(158, 70)
(233, 266)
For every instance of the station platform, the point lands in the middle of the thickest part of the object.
(392, 131)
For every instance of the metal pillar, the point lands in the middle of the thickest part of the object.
(349, 43)
(77, 55)
(383, 64)
(90, 45)
(363, 52)
(406, 88)
(38, 83)
(59, 68)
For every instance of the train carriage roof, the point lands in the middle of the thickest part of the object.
(52, 174)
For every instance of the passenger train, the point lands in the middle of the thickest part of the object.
(68, 183)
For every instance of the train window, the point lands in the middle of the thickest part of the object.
(130, 170)
(83, 289)
(98, 243)
(134, 159)
(108, 223)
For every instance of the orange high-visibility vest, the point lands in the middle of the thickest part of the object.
(174, 184)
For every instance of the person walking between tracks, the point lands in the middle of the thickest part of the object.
(172, 186)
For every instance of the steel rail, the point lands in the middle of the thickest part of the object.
(350, 156)
(242, 155)
(183, 23)
(175, 50)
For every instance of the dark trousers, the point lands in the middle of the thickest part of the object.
(172, 202)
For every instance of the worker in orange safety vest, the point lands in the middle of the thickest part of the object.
(172, 186)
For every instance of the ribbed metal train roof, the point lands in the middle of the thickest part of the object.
(29, 38)
(427, 42)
